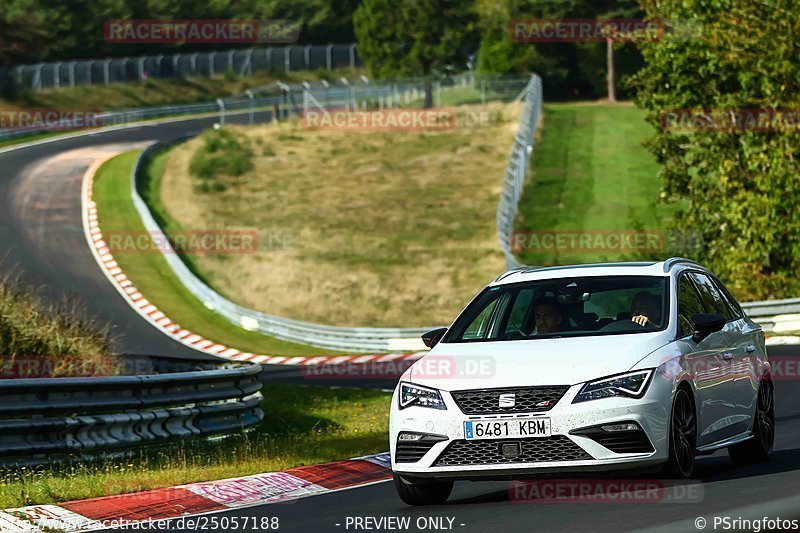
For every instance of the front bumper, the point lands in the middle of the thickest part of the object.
(582, 453)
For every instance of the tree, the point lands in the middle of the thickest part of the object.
(24, 26)
(738, 188)
(414, 37)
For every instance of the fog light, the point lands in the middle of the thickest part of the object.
(510, 449)
(409, 436)
(621, 427)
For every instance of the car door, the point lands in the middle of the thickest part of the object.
(710, 366)
(746, 340)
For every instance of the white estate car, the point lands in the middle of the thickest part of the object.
(583, 368)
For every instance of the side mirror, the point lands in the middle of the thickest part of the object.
(432, 338)
(706, 324)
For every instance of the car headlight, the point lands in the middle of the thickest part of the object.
(421, 396)
(631, 385)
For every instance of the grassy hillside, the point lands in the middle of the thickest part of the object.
(591, 174)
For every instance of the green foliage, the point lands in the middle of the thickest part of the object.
(414, 37)
(568, 70)
(741, 186)
(224, 153)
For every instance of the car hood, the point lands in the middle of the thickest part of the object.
(564, 361)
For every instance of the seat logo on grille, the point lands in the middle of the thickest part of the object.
(507, 400)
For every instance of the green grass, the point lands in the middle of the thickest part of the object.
(302, 426)
(590, 172)
(151, 274)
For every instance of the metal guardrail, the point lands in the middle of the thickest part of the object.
(43, 420)
(775, 316)
(517, 167)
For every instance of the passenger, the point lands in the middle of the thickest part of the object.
(548, 316)
(645, 309)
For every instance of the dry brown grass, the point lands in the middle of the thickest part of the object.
(388, 228)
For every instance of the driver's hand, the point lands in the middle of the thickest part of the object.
(641, 320)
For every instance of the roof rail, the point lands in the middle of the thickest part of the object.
(509, 272)
(672, 261)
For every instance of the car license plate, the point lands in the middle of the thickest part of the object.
(502, 429)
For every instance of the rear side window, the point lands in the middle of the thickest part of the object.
(734, 306)
(689, 304)
(711, 296)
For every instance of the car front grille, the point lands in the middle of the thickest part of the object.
(526, 400)
(487, 452)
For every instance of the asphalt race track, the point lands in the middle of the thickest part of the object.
(42, 241)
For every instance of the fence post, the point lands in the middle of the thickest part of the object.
(287, 61)
(329, 57)
(230, 60)
(57, 75)
(221, 105)
(249, 94)
(212, 59)
(193, 63)
(268, 57)
(160, 62)
(37, 77)
(352, 56)
(307, 56)
(175, 65)
(72, 66)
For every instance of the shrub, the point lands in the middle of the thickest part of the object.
(223, 154)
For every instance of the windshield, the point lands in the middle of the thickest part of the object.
(564, 307)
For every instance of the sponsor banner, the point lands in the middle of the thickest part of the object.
(260, 488)
(35, 518)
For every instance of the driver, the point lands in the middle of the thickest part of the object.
(548, 316)
(645, 309)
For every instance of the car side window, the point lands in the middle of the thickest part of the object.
(478, 328)
(689, 303)
(711, 296)
(734, 306)
(519, 312)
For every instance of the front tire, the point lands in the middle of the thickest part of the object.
(682, 437)
(759, 448)
(422, 493)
